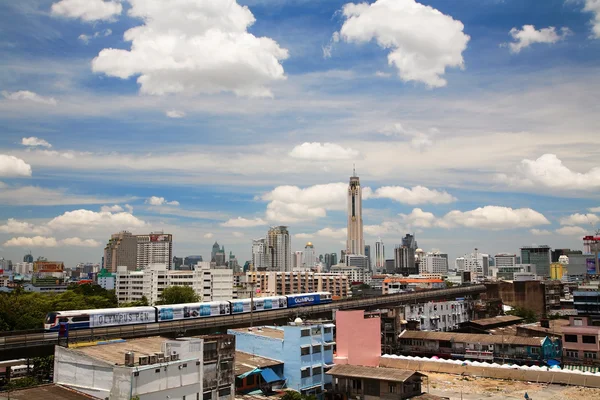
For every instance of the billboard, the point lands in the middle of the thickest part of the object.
(48, 266)
(193, 310)
(590, 266)
(303, 300)
(160, 238)
(121, 318)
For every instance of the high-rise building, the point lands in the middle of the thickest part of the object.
(355, 243)
(260, 255)
(334, 259)
(177, 262)
(368, 255)
(297, 259)
(155, 248)
(505, 260)
(404, 261)
(433, 263)
(308, 256)
(215, 249)
(218, 255)
(327, 261)
(190, 261)
(121, 250)
(28, 258)
(278, 245)
(538, 255)
(232, 264)
(379, 255)
(476, 263)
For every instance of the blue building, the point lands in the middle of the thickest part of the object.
(305, 350)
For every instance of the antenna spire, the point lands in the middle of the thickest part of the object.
(353, 169)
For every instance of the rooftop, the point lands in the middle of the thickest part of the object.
(246, 362)
(556, 326)
(499, 320)
(45, 392)
(379, 373)
(114, 353)
(262, 331)
(473, 338)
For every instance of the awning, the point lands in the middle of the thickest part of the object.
(254, 371)
(270, 376)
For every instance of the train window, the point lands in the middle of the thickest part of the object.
(50, 318)
(81, 318)
(63, 320)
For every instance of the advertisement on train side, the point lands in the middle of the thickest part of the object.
(121, 318)
(169, 313)
(260, 304)
(304, 300)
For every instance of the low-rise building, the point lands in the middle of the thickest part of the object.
(276, 283)
(355, 274)
(106, 280)
(539, 296)
(394, 285)
(439, 316)
(254, 372)
(151, 368)
(305, 350)
(358, 338)
(581, 341)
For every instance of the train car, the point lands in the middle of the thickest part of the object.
(192, 310)
(260, 304)
(308, 299)
(84, 319)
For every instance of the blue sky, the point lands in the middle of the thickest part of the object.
(471, 123)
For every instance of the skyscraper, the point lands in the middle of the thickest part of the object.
(379, 255)
(368, 255)
(308, 256)
(278, 244)
(538, 255)
(121, 250)
(355, 243)
(260, 255)
(155, 248)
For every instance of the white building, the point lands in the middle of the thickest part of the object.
(309, 258)
(476, 263)
(355, 274)
(106, 280)
(155, 248)
(564, 260)
(355, 243)
(150, 369)
(23, 268)
(433, 263)
(278, 245)
(505, 260)
(260, 256)
(439, 316)
(508, 272)
(211, 284)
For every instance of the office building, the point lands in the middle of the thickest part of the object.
(106, 280)
(508, 272)
(368, 255)
(155, 248)
(177, 262)
(306, 352)
(23, 268)
(505, 260)
(433, 263)
(539, 256)
(190, 261)
(309, 259)
(355, 243)
(217, 255)
(476, 263)
(405, 261)
(210, 284)
(278, 247)
(296, 260)
(379, 255)
(260, 255)
(28, 258)
(121, 250)
(151, 368)
(355, 274)
(390, 266)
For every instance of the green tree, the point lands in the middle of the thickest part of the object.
(293, 395)
(21, 383)
(142, 303)
(448, 283)
(178, 295)
(527, 314)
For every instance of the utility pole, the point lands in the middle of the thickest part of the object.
(252, 284)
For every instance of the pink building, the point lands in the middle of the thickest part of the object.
(358, 338)
(581, 341)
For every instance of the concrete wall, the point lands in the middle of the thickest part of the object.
(82, 373)
(556, 377)
(358, 339)
(523, 294)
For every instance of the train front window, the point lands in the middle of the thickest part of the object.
(50, 318)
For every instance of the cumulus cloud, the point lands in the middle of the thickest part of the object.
(529, 35)
(594, 209)
(43, 241)
(384, 229)
(175, 114)
(160, 201)
(415, 195)
(240, 222)
(26, 95)
(540, 232)
(87, 219)
(111, 209)
(86, 38)
(34, 142)
(208, 236)
(11, 166)
(420, 219)
(593, 6)
(322, 152)
(87, 10)
(21, 227)
(422, 42)
(333, 233)
(549, 171)
(195, 47)
(572, 231)
(580, 219)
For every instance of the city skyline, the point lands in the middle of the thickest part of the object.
(491, 150)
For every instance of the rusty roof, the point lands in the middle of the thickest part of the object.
(246, 362)
(379, 373)
(501, 319)
(473, 338)
(45, 392)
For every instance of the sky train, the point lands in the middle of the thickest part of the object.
(85, 319)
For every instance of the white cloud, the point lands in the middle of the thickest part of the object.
(87, 10)
(420, 219)
(240, 222)
(175, 114)
(422, 41)
(540, 232)
(278, 211)
(495, 217)
(86, 38)
(19, 227)
(381, 74)
(111, 209)
(37, 196)
(572, 231)
(43, 241)
(580, 219)
(129, 208)
(384, 229)
(333, 233)
(11, 166)
(208, 236)
(34, 141)
(419, 141)
(160, 201)
(195, 47)
(323, 152)
(548, 171)
(594, 209)
(415, 195)
(593, 6)
(529, 35)
(87, 219)
(26, 95)
(237, 234)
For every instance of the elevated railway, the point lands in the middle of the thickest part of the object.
(20, 344)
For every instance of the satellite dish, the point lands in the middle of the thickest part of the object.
(298, 321)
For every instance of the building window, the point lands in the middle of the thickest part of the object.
(305, 332)
(571, 338)
(207, 396)
(327, 330)
(577, 322)
(535, 350)
(316, 371)
(304, 351)
(224, 392)
(572, 354)
(356, 384)
(392, 387)
(588, 339)
(316, 331)
(305, 373)
(316, 349)
(590, 355)
(327, 347)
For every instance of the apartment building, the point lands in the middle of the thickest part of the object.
(270, 283)
(439, 316)
(581, 341)
(155, 248)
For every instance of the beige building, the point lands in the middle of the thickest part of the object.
(121, 250)
(138, 251)
(271, 283)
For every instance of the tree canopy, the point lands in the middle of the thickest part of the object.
(178, 295)
(527, 314)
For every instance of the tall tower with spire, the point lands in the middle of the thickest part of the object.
(355, 243)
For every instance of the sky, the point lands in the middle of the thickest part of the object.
(471, 123)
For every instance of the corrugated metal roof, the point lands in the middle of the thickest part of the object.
(379, 373)
(245, 362)
(496, 320)
(473, 338)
